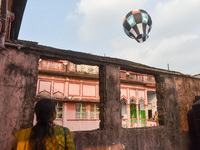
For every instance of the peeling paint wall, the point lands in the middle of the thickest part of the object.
(18, 78)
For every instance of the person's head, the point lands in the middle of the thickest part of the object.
(45, 110)
(45, 113)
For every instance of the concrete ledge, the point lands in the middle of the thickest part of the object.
(112, 147)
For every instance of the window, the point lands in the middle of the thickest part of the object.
(81, 111)
(59, 110)
(132, 76)
(94, 111)
(73, 67)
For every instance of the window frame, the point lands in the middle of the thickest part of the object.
(96, 110)
(81, 112)
(57, 106)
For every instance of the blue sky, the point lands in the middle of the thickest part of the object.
(96, 26)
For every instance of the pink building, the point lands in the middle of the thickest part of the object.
(75, 90)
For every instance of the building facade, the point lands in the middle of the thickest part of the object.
(75, 90)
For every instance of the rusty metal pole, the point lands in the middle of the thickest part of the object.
(3, 21)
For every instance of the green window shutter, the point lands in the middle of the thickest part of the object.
(133, 111)
(142, 113)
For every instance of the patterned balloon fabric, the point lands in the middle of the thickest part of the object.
(137, 24)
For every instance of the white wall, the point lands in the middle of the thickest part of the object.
(153, 101)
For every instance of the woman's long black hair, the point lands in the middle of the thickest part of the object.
(44, 109)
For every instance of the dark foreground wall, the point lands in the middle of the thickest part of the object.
(18, 81)
(130, 139)
(175, 96)
(175, 93)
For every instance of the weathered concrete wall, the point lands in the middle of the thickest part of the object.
(153, 138)
(169, 110)
(175, 95)
(187, 89)
(175, 98)
(18, 81)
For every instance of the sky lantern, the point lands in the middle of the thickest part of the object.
(137, 24)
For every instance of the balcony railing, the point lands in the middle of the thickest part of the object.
(132, 76)
(142, 122)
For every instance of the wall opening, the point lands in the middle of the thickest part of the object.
(75, 90)
(124, 113)
(138, 100)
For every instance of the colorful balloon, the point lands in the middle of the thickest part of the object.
(137, 24)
